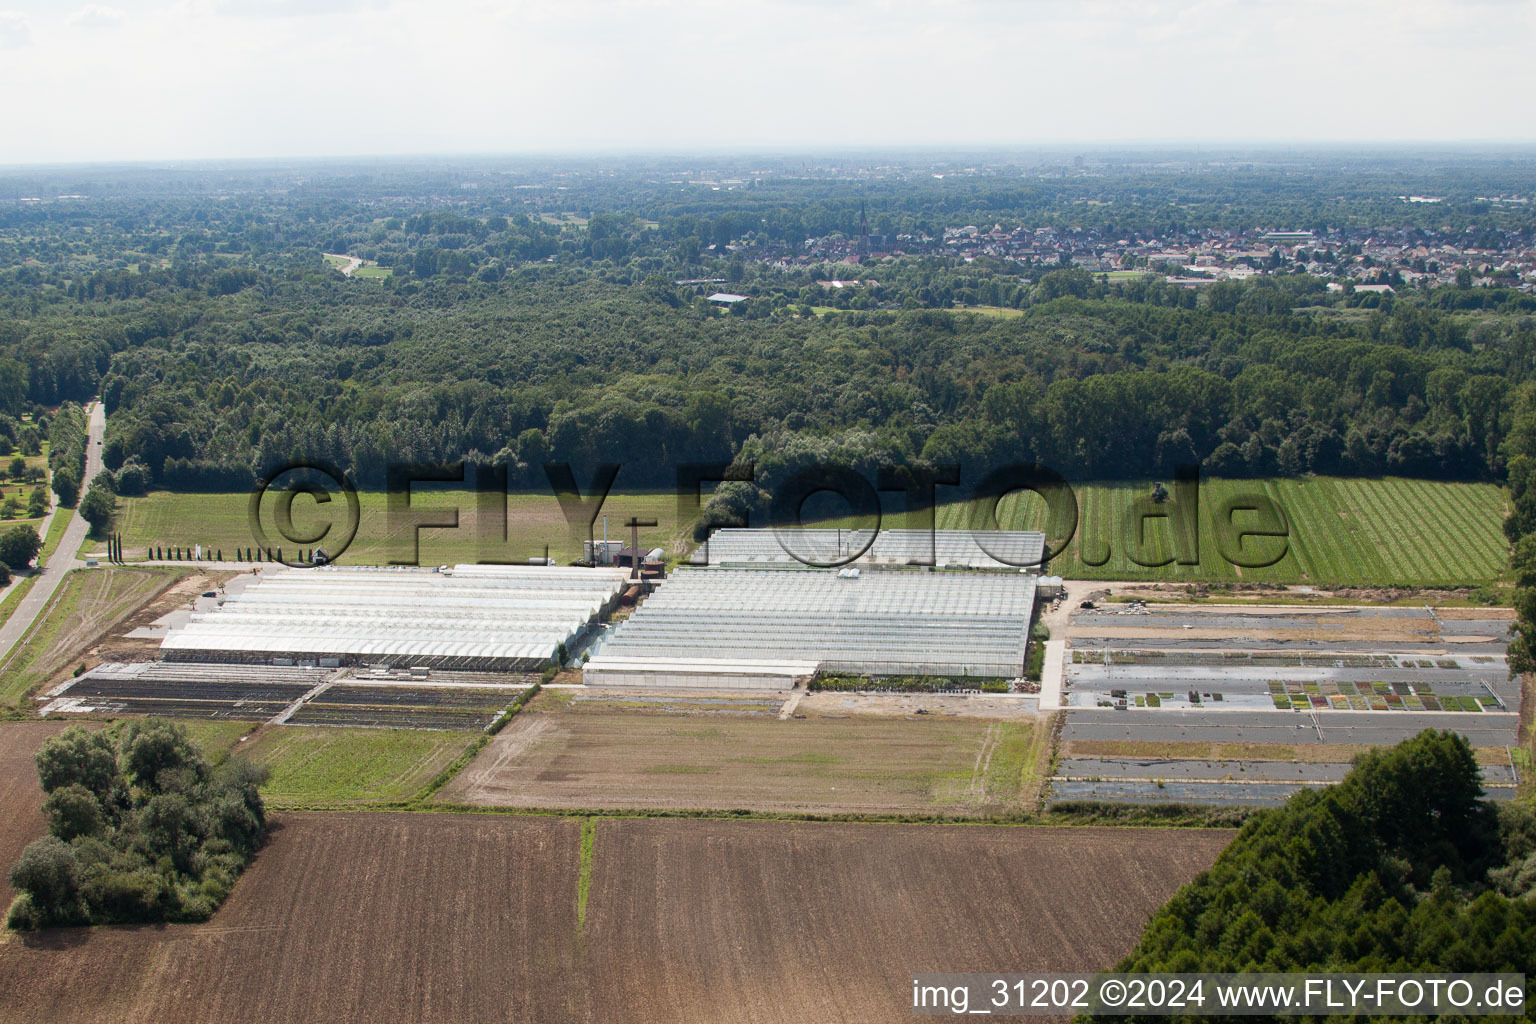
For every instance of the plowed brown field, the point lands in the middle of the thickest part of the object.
(441, 917)
(21, 798)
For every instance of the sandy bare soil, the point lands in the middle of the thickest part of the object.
(117, 647)
(452, 918)
(1001, 707)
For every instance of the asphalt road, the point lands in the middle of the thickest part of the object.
(49, 577)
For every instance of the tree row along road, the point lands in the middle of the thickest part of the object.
(65, 557)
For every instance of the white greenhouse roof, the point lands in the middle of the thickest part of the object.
(467, 612)
(879, 622)
(979, 549)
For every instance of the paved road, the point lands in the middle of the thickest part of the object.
(64, 558)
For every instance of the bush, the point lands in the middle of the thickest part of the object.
(23, 915)
(78, 756)
(133, 478)
(73, 811)
(139, 830)
(906, 684)
(49, 875)
(517, 705)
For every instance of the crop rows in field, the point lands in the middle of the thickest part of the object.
(1361, 532)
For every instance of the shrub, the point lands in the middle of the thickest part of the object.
(139, 830)
(73, 811)
(49, 875)
(133, 478)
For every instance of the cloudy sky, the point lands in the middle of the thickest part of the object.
(159, 79)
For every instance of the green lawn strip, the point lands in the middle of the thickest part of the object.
(13, 598)
(1395, 531)
(1289, 567)
(56, 528)
(1476, 524)
(584, 874)
(1318, 534)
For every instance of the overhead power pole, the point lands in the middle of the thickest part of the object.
(634, 525)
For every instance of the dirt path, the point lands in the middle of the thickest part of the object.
(352, 263)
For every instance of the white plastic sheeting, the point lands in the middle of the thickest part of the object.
(500, 616)
(982, 549)
(697, 673)
(878, 622)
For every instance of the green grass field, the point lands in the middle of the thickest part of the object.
(1377, 532)
(86, 603)
(332, 767)
(1001, 312)
(218, 738)
(372, 271)
(220, 521)
(1353, 532)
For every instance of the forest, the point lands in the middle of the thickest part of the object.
(224, 346)
(1401, 867)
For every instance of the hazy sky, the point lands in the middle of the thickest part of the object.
(148, 79)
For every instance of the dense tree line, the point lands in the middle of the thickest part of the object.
(204, 392)
(1399, 868)
(223, 347)
(68, 434)
(139, 829)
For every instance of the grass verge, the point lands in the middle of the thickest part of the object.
(584, 875)
(85, 607)
(56, 530)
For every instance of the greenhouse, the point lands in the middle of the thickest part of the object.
(475, 617)
(865, 621)
(969, 549)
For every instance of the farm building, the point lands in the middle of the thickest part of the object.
(490, 618)
(708, 627)
(980, 549)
